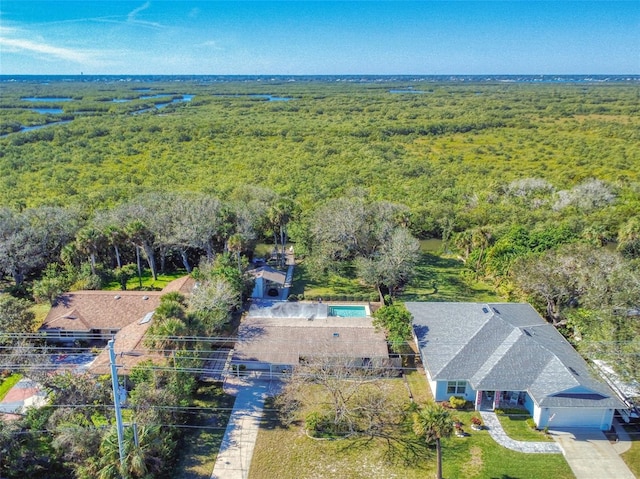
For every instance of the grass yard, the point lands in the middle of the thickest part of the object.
(442, 278)
(437, 278)
(287, 453)
(632, 456)
(517, 428)
(40, 310)
(148, 283)
(418, 387)
(343, 285)
(200, 445)
(7, 383)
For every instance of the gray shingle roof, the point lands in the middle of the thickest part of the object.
(506, 347)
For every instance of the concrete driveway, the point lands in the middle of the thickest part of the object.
(590, 454)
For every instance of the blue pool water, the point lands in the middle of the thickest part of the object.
(348, 311)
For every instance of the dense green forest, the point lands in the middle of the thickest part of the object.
(536, 187)
(514, 177)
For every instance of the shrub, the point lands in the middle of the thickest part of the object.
(531, 423)
(318, 424)
(512, 411)
(457, 402)
(476, 420)
(313, 421)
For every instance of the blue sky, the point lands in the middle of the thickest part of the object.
(319, 37)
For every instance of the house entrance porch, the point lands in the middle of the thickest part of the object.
(491, 400)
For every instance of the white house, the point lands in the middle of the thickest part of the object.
(506, 355)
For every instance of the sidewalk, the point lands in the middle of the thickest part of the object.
(497, 433)
(236, 450)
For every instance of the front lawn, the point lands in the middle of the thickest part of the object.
(288, 453)
(517, 428)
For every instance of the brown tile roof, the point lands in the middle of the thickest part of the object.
(87, 310)
(182, 285)
(129, 349)
(285, 340)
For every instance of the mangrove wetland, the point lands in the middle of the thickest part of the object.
(528, 188)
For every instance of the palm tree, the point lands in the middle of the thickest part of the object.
(89, 241)
(144, 455)
(115, 235)
(142, 237)
(433, 422)
(235, 244)
(279, 215)
(164, 334)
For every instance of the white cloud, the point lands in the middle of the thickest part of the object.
(211, 44)
(133, 14)
(68, 54)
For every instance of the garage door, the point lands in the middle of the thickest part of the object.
(576, 417)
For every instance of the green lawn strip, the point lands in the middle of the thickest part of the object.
(199, 446)
(420, 391)
(148, 283)
(287, 453)
(517, 428)
(632, 456)
(7, 383)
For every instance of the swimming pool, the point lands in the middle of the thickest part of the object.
(348, 311)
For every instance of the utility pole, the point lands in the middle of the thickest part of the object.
(116, 399)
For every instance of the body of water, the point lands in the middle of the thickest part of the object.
(271, 97)
(45, 99)
(24, 129)
(48, 111)
(149, 97)
(158, 106)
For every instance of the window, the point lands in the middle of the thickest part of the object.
(456, 387)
